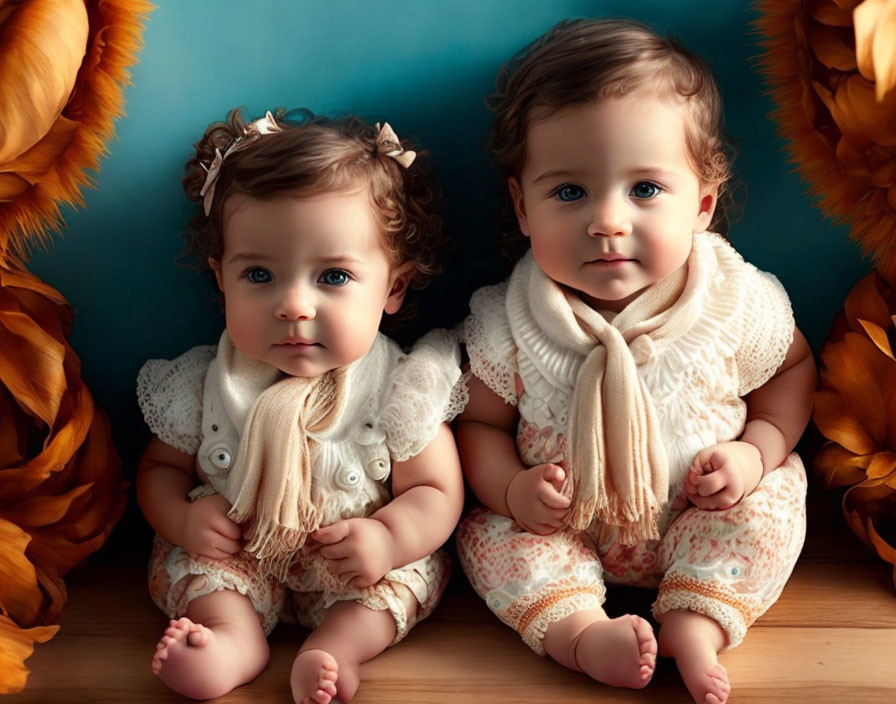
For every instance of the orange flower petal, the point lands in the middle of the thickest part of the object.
(830, 12)
(866, 300)
(19, 595)
(881, 465)
(830, 48)
(832, 420)
(16, 646)
(30, 361)
(42, 510)
(42, 44)
(878, 336)
(840, 467)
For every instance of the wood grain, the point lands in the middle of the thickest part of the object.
(831, 638)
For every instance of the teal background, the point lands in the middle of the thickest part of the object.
(425, 67)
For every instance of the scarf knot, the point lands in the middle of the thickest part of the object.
(618, 469)
(269, 485)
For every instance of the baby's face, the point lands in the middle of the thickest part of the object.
(608, 197)
(306, 279)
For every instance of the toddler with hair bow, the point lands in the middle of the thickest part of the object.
(636, 387)
(327, 476)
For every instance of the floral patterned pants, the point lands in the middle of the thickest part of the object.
(177, 577)
(729, 565)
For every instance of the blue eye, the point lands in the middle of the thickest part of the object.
(258, 275)
(335, 277)
(570, 192)
(645, 190)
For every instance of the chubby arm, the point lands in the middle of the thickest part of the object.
(779, 410)
(777, 414)
(485, 436)
(165, 476)
(487, 447)
(428, 491)
(428, 498)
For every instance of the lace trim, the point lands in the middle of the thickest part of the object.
(734, 618)
(424, 394)
(552, 608)
(169, 394)
(489, 342)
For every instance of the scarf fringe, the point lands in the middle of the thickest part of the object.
(633, 525)
(277, 550)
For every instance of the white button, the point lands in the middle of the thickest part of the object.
(220, 456)
(348, 477)
(377, 468)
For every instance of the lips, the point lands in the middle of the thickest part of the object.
(612, 257)
(295, 342)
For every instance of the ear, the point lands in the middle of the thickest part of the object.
(215, 266)
(519, 204)
(401, 278)
(709, 196)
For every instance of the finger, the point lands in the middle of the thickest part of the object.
(227, 545)
(332, 533)
(339, 551)
(228, 528)
(554, 474)
(706, 503)
(716, 461)
(552, 499)
(711, 483)
(553, 520)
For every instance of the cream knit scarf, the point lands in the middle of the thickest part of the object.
(617, 463)
(269, 484)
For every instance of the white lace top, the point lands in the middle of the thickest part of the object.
(697, 380)
(397, 402)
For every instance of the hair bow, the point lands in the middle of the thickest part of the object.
(387, 136)
(254, 130)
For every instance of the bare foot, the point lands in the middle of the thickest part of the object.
(620, 652)
(200, 663)
(180, 634)
(313, 677)
(694, 641)
(705, 678)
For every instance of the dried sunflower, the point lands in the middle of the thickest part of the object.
(831, 66)
(63, 68)
(855, 409)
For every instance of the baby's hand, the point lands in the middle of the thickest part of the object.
(721, 475)
(360, 550)
(208, 530)
(535, 498)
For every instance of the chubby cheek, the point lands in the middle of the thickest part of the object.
(244, 328)
(352, 334)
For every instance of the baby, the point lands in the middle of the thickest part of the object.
(636, 388)
(327, 476)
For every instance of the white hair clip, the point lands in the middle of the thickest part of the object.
(254, 130)
(388, 137)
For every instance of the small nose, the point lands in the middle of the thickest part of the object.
(608, 218)
(295, 303)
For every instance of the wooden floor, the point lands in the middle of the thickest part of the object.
(830, 638)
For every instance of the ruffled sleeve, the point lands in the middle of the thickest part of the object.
(169, 393)
(425, 392)
(768, 328)
(489, 342)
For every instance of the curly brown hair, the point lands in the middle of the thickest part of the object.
(312, 155)
(578, 62)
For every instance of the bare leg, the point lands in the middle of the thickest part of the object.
(218, 645)
(329, 661)
(620, 652)
(694, 640)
